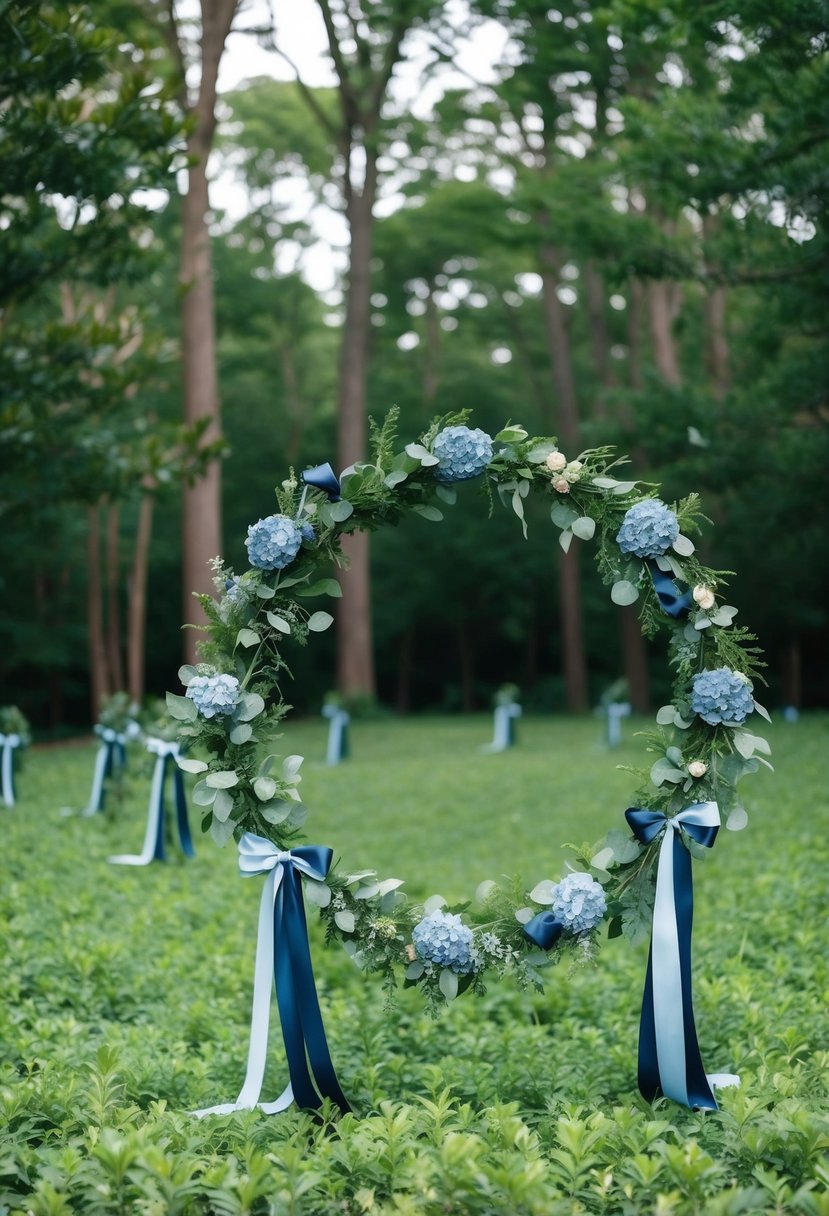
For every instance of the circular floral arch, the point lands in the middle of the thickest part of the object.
(700, 749)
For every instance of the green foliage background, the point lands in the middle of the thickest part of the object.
(127, 995)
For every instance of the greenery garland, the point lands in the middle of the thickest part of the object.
(233, 705)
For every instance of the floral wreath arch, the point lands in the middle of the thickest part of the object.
(633, 877)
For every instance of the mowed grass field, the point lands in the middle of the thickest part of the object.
(126, 998)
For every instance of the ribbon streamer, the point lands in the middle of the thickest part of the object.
(616, 710)
(323, 477)
(8, 746)
(166, 755)
(283, 958)
(676, 603)
(669, 1055)
(111, 754)
(504, 734)
(337, 748)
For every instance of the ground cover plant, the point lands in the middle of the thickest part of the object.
(126, 1000)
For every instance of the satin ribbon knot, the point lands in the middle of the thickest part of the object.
(323, 477)
(544, 929)
(669, 1055)
(283, 959)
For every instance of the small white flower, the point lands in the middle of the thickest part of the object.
(697, 768)
(562, 485)
(556, 461)
(704, 596)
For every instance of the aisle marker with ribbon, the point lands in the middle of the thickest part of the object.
(283, 958)
(337, 748)
(504, 727)
(669, 1055)
(112, 753)
(166, 755)
(8, 746)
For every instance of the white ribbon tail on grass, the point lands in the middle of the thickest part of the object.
(153, 848)
(504, 732)
(8, 744)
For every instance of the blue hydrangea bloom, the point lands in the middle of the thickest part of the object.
(444, 939)
(579, 902)
(214, 695)
(648, 529)
(273, 543)
(463, 453)
(308, 533)
(721, 695)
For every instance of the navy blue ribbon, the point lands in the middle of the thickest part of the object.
(182, 822)
(674, 602)
(323, 477)
(669, 1055)
(296, 995)
(544, 930)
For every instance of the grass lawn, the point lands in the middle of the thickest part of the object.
(126, 998)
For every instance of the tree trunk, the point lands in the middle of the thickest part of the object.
(662, 311)
(98, 674)
(113, 613)
(636, 380)
(137, 609)
(355, 655)
(202, 505)
(431, 365)
(567, 428)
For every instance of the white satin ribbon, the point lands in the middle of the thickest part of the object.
(160, 748)
(259, 856)
(615, 712)
(8, 743)
(501, 737)
(338, 721)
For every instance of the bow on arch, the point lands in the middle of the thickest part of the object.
(669, 1055)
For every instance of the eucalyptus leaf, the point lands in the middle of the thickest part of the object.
(427, 511)
(325, 586)
(524, 915)
(191, 766)
(447, 494)
(264, 592)
(241, 733)
(624, 592)
(539, 453)
(543, 892)
(414, 970)
(181, 708)
(223, 780)
(663, 771)
(625, 847)
(395, 477)
(291, 766)
(724, 615)
(665, 715)
(276, 812)
(623, 487)
(484, 890)
(602, 860)
(316, 893)
(562, 514)
(203, 794)
(565, 540)
(344, 920)
(247, 637)
(418, 452)
(250, 705)
(736, 819)
(318, 622)
(221, 831)
(223, 805)
(684, 546)
(448, 983)
(762, 711)
(511, 434)
(584, 527)
(340, 511)
(264, 788)
(702, 621)
(433, 904)
(278, 622)
(187, 673)
(605, 483)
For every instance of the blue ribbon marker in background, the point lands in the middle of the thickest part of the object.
(283, 958)
(8, 746)
(669, 1055)
(166, 755)
(676, 603)
(323, 477)
(337, 748)
(111, 752)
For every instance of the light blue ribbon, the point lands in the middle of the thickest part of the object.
(8, 746)
(166, 754)
(669, 1055)
(337, 748)
(504, 727)
(111, 753)
(616, 710)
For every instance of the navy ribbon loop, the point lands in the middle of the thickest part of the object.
(544, 930)
(675, 603)
(669, 1057)
(323, 477)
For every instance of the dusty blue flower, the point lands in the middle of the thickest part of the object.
(214, 695)
(307, 532)
(579, 902)
(722, 695)
(463, 453)
(273, 543)
(648, 529)
(444, 939)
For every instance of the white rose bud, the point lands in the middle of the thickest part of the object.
(556, 461)
(573, 470)
(562, 485)
(697, 768)
(704, 596)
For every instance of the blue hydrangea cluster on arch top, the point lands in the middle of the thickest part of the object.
(233, 702)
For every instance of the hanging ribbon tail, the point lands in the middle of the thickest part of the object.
(283, 959)
(337, 746)
(182, 820)
(8, 746)
(323, 477)
(674, 602)
(669, 1057)
(153, 847)
(544, 930)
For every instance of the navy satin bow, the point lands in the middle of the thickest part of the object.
(544, 930)
(669, 1055)
(676, 603)
(323, 477)
(296, 994)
